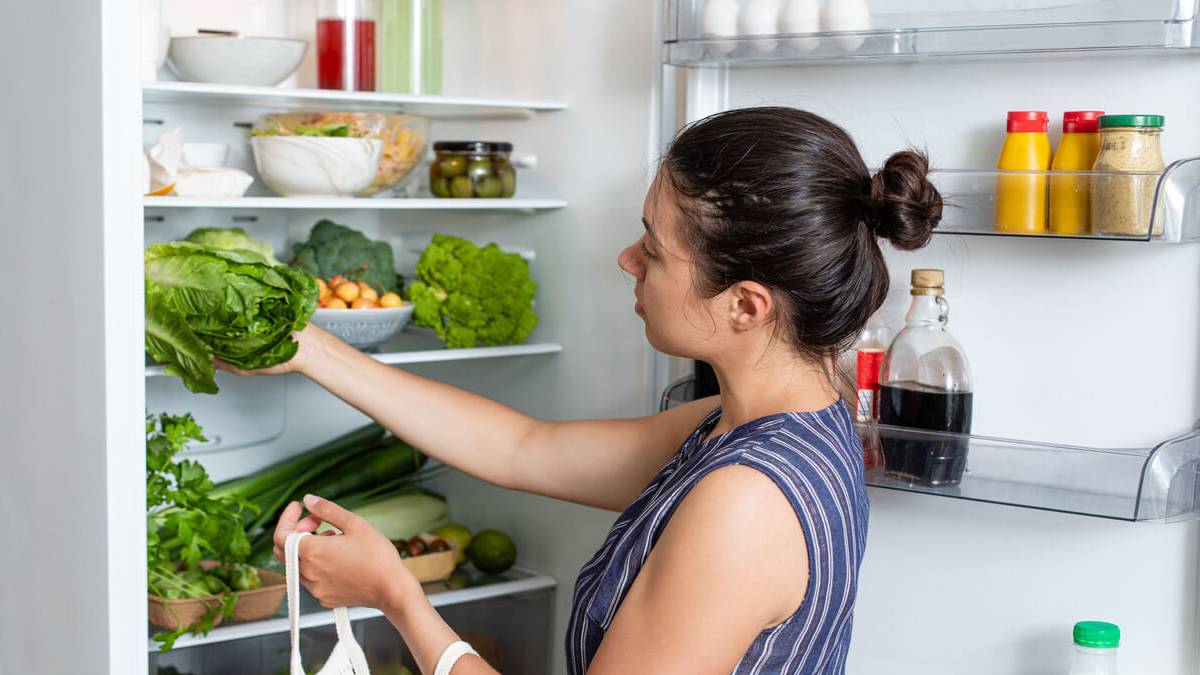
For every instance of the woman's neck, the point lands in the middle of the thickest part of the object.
(770, 384)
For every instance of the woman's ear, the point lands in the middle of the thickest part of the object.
(750, 305)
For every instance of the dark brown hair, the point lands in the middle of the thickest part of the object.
(782, 197)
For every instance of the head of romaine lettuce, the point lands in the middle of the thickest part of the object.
(231, 238)
(204, 302)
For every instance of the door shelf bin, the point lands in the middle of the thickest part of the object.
(1159, 484)
(970, 200)
(900, 29)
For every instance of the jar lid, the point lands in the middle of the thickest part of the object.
(1108, 121)
(1027, 121)
(927, 282)
(1081, 121)
(471, 146)
(1098, 634)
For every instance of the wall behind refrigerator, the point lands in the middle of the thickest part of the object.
(600, 58)
(1076, 342)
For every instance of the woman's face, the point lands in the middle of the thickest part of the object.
(678, 321)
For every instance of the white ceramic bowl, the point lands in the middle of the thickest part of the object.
(313, 166)
(364, 328)
(221, 59)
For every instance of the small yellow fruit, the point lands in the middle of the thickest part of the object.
(363, 303)
(322, 290)
(368, 293)
(335, 303)
(336, 281)
(347, 292)
(390, 300)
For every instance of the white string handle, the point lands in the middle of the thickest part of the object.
(291, 562)
(341, 619)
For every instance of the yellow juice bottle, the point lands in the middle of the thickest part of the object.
(1021, 199)
(1070, 196)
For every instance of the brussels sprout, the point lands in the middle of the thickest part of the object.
(214, 585)
(453, 166)
(461, 187)
(489, 187)
(440, 186)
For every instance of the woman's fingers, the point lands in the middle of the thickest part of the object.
(287, 523)
(346, 521)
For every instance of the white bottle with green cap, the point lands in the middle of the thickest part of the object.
(1095, 650)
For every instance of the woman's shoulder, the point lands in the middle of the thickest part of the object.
(822, 441)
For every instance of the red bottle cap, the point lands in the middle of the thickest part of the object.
(1028, 121)
(1082, 121)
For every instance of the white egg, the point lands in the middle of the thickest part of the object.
(847, 15)
(720, 17)
(802, 16)
(761, 17)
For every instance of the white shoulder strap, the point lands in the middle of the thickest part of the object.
(341, 619)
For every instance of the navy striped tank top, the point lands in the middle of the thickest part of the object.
(815, 458)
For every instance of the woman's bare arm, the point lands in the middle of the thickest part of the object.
(731, 562)
(602, 463)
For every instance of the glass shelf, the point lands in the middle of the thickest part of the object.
(899, 29)
(970, 200)
(418, 345)
(1155, 484)
(1159, 484)
(282, 98)
(371, 204)
(512, 582)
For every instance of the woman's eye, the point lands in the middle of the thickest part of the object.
(646, 251)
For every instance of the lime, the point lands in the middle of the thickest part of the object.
(458, 535)
(492, 552)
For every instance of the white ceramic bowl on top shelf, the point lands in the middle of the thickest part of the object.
(316, 166)
(365, 329)
(227, 59)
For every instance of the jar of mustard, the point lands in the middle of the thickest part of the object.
(1124, 204)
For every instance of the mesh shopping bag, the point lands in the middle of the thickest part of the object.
(347, 657)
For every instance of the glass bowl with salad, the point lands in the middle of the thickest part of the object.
(404, 137)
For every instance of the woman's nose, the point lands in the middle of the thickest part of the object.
(628, 261)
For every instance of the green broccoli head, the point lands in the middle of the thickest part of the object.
(473, 295)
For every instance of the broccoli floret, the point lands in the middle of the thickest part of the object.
(471, 295)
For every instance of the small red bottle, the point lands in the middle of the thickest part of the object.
(346, 45)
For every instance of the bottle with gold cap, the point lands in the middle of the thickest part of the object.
(925, 383)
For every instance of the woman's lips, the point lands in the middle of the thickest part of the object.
(637, 309)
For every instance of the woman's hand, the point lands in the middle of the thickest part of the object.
(358, 568)
(311, 339)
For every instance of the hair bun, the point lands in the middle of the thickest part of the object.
(906, 206)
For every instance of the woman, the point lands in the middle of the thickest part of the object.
(744, 515)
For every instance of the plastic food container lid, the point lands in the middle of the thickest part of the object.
(1097, 634)
(1028, 121)
(1108, 121)
(1082, 121)
(471, 146)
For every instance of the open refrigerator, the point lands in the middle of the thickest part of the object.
(1080, 496)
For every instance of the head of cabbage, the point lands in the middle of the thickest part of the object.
(231, 238)
(204, 302)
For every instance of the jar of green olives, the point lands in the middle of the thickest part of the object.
(472, 169)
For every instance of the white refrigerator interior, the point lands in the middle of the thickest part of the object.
(1077, 342)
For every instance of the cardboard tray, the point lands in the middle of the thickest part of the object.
(431, 566)
(260, 603)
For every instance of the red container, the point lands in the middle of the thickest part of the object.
(346, 45)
